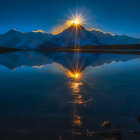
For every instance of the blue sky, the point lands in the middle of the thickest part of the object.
(115, 16)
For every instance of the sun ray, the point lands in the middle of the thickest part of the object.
(76, 19)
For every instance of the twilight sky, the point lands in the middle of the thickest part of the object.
(115, 16)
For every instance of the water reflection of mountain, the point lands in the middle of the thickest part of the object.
(14, 60)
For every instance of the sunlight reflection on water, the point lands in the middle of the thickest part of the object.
(68, 94)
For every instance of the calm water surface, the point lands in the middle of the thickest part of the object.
(67, 96)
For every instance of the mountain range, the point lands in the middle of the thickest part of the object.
(71, 36)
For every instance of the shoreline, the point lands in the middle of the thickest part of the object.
(117, 49)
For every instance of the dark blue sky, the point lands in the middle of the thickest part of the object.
(116, 16)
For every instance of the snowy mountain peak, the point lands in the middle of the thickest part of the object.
(13, 30)
(73, 29)
(26, 40)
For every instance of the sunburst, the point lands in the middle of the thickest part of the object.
(76, 19)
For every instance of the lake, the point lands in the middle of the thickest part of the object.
(68, 96)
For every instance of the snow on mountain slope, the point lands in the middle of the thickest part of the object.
(72, 36)
(110, 39)
(76, 35)
(25, 40)
(80, 36)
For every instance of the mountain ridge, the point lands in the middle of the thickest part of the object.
(72, 36)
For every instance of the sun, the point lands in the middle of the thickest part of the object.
(76, 19)
(76, 22)
(76, 75)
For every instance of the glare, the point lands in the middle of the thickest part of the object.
(76, 75)
(76, 19)
(75, 86)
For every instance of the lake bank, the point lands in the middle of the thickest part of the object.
(118, 49)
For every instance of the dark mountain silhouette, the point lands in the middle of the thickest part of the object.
(78, 35)
(74, 35)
